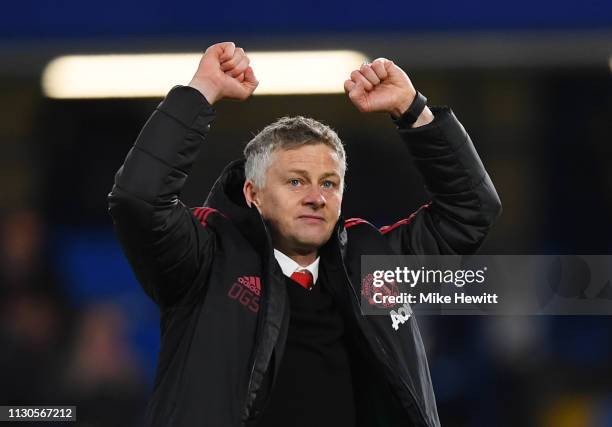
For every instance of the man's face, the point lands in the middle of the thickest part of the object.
(301, 197)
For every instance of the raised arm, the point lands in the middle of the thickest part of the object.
(165, 243)
(464, 202)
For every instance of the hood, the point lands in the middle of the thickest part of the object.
(227, 197)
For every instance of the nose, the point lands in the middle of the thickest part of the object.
(315, 198)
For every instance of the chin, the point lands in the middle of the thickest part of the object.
(312, 242)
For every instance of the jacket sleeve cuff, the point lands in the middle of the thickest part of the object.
(442, 136)
(186, 104)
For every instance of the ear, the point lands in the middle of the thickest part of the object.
(250, 193)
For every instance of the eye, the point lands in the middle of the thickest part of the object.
(294, 182)
(329, 184)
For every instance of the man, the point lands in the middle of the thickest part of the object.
(259, 288)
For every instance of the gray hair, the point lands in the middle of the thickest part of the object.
(287, 133)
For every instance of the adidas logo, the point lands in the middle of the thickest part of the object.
(246, 290)
(253, 283)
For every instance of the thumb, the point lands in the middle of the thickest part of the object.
(394, 72)
(356, 92)
(389, 65)
(348, 86)
(228, 50)
(357, 95)
(249, 77)
(223, 51)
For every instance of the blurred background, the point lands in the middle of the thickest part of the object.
(530, 80)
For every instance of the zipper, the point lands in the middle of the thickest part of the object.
(259, 328)
(366, 328)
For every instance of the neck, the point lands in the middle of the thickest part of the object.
(303, 259)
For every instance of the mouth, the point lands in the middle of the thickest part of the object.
(312, 218)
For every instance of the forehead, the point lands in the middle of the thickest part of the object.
(309, 157)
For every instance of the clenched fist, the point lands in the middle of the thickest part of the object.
(385, 87)
(224, 72)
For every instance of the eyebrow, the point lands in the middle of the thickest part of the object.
(305, 173)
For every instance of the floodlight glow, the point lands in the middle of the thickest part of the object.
(153, 75)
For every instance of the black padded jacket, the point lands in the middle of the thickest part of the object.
(224, 309)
